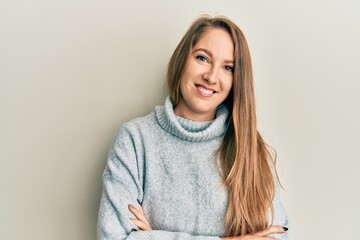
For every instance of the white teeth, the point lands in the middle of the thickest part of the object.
(205, 90)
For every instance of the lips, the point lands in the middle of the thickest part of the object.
(204, 91)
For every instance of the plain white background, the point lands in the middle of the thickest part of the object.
(71, 72)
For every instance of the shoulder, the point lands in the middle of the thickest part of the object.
(140, 122)
(136, 127)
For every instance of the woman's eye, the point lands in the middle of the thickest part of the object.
(202, 58)
(229, 68)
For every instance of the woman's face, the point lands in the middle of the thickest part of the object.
(208, 76)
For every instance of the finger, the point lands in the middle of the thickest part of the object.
(141, 210)
(271, 230)
(140, 224)
(140, 218)
(140, 207)
(137, 213)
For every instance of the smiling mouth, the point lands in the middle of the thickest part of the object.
(204, 91)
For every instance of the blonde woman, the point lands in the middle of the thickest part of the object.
(196, 168)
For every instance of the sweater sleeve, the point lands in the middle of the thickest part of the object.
(280, 216)
(122, 185)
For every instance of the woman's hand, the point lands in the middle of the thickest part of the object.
(260, 235)
(141, 222)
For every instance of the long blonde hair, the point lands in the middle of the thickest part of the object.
(247, 162)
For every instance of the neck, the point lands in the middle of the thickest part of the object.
(193, 116)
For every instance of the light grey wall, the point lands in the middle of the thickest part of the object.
(72, 71)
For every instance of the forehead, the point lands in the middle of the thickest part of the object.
(217, 41)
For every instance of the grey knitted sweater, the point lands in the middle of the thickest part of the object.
(169, 164)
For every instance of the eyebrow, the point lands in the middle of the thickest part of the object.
(211, 55)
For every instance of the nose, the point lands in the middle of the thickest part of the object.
(211, 75)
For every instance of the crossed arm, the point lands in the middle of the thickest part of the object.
(142, 223)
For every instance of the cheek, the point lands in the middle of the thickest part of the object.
(227, 85)
(187, 74)
(193, 70)
(230, 87)
(184, 85)
(185, 80)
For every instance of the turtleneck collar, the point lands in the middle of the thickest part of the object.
(191, 130)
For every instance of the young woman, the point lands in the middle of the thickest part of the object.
(197, 167)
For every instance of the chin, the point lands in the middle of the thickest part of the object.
(205, 111)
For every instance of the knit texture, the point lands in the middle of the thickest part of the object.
(169, 164)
